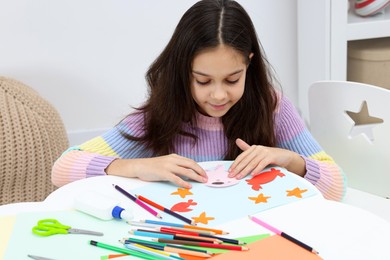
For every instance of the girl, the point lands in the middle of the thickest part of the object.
(211, 97)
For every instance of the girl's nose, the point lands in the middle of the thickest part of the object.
(219, 92)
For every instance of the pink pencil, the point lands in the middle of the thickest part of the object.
(281, 233)
(133, 198)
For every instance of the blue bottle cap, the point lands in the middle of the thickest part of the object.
(116, 212)
(121, 213)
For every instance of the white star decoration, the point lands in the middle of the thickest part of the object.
(363, 122)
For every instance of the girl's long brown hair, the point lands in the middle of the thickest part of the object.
(208, 24)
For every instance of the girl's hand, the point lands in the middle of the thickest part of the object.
(172, 168)
(255, 158)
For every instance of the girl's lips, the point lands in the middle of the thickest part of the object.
(218, 107)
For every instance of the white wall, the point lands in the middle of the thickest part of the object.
(89, 57)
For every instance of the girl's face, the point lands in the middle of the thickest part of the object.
(218, 80)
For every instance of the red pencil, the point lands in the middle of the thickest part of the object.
(162, 223)
(176, 231)
(223, 246)
(201, 244)
(195, 233)
(162, 208)
(174, 236)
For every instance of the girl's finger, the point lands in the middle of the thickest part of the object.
(242, 161)
(191, 165)
(189, 174)
(179, 181)
(242, 144)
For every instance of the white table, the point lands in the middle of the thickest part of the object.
(336, 230)
(380, 206)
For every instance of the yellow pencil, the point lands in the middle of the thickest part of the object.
(150, 251)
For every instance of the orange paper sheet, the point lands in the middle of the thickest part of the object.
(273, 247)
(7, 225)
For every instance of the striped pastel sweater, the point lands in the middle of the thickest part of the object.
(92, 157)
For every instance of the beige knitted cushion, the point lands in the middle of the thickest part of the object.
(32, 137)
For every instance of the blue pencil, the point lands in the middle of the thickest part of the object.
(151, 234)
(163, 223)
(158, 245)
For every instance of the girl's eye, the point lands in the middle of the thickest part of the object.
(232, 82)
(203, 82)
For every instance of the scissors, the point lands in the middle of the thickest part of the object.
(39, 257)
(48, 227)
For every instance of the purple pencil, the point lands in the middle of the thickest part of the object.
(140, 203)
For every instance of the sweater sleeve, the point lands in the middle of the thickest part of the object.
(94, 156)
(321, 169)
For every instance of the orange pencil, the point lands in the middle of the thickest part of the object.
(162, 208)
(162, 223)
(216, 231)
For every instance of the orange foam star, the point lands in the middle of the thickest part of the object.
(296, 192)
(202, 218)
(182, 192)
(260, 198)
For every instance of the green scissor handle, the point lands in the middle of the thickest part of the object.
(47, 227)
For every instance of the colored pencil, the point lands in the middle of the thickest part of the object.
(216, 231)
(159, 245)
(201, 244)
(280, 233)
(178, 250)
(186, 249)
(168, 211)
(157, 234)
(140, 241)
(140, 203)
(205, 232)
(225, 239)
(171, 248)
(143, 224)
(151, 251)
(112, 256)
(121, 250)
(178, 231)
(185, 235)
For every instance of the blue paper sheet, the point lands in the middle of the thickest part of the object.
(220, 205)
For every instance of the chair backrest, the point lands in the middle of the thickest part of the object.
(32, 137)
(351, 121)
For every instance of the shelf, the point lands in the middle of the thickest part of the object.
(360, 28)
(324, 29)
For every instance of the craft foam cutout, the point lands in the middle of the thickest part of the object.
(218, 177)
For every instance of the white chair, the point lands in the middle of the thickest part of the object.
(351, 121)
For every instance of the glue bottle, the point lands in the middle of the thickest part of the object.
(101, 206)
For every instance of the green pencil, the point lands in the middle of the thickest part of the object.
(123, 250)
